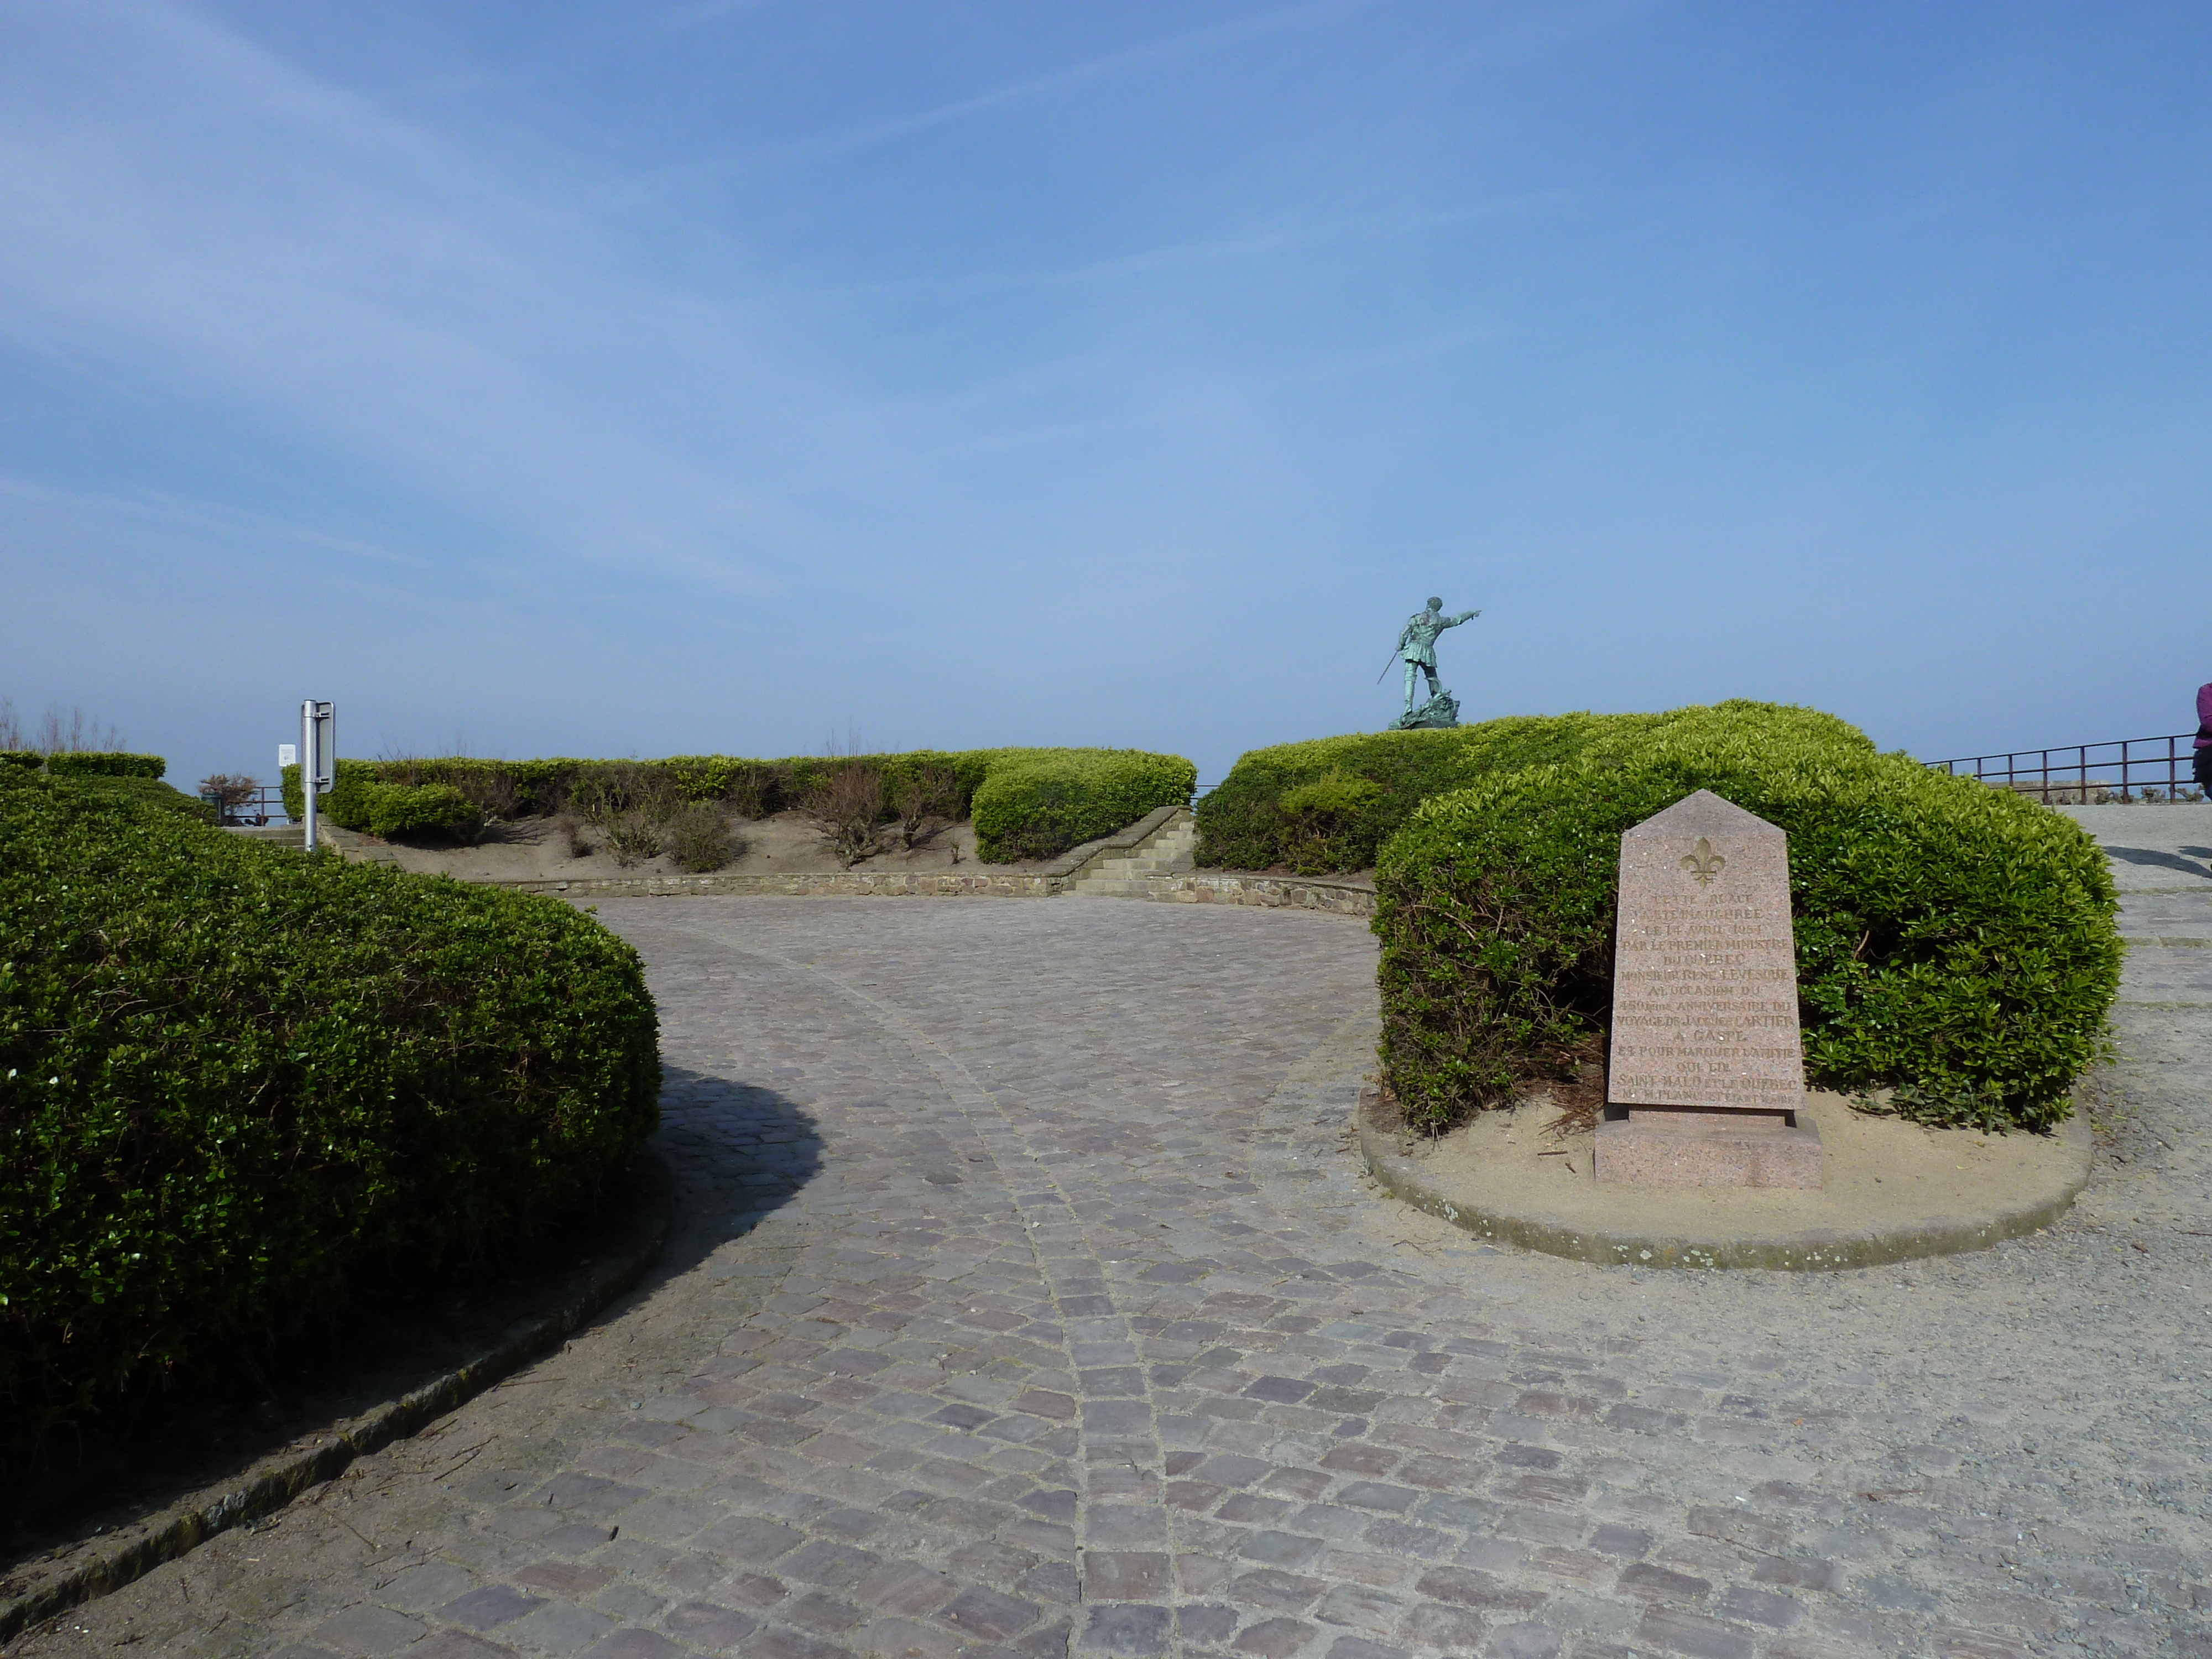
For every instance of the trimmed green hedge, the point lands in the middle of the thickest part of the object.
(1955, 943)
(31, 759)
(147, 792)
(1330, 803)
(1037, 806)
(1039, 802)
(95, 765)
(400, 809)
(237, 1082)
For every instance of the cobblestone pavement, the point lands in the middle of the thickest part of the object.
(1031, 1302)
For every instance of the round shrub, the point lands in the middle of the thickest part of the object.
(1955, 943)
(238, 1083)
(396, 809)
(1259, 816)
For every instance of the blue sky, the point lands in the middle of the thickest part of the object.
(751, 374)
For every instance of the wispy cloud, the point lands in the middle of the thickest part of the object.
(232, 523)
(436, 324)
(1390, 230)
(1034, 88)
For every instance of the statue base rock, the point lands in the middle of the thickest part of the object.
(1441, 710)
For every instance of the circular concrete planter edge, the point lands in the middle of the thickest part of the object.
(1824, 1251)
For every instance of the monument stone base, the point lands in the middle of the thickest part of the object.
(1439, 711)
(1650, 1148)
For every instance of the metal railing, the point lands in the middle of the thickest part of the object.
(2126, 770)
(265, 806)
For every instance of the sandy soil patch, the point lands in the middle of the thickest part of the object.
(1880, 1174)
(789, 843)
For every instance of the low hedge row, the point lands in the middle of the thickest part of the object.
(85, 764)
(1026, 803)
(1955, 943)
(1329, 804)
(97, 765)
(236, 1084)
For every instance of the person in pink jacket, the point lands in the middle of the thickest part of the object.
(2202, 766)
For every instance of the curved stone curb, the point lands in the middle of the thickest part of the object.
(1331, 897)
(275, 1482)
(1814, 1250)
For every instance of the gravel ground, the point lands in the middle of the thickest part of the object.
(1029, 1300)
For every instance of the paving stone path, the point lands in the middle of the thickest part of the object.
(1030, 1303)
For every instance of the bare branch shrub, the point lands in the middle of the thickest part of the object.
(490, 789)
(570, 828)
(926, 793)
(699, 839)
(846, 804)
(74, 736)
(633, 838)
(748, 793)
(402, 766)
(232, 792)
(615, 789)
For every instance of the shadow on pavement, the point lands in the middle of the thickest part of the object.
(195, 1440)
(2163, 861)
(740, 1152)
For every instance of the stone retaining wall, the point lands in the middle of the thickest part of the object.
(1195, 887)
(1339, 898)
(861, 883)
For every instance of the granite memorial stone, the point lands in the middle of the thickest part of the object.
(1707, 1070)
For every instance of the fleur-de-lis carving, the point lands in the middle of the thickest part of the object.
(1705, 863)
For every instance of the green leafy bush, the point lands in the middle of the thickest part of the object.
(1329, 819)
(1039, 806)
(29, 759)
(394, 808)
(147, 792)
(97, 765)
(1954, 942)
(1068, 795)
(1249, 822)
(237, 1082)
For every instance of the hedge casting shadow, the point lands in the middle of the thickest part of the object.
(238, 1083)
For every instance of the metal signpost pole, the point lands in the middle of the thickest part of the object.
(319, 757)
(310, 764)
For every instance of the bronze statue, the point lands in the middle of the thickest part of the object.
(1418, 645)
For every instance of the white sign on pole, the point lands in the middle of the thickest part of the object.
(287, 754)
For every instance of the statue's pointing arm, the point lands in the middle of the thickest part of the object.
(1463, 617)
